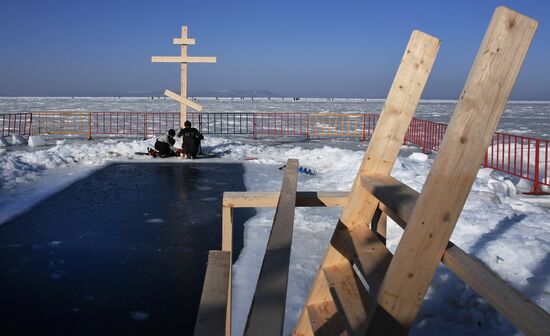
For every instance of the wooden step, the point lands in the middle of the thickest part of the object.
(350, 296)
(325, 320)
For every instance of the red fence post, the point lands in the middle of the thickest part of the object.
(145, 126)
(363, 135)
(30, 126)
(89, 125)
(307, 126)
(254, 126)
(536, 189)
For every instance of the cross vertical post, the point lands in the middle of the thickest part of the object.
(183, 107)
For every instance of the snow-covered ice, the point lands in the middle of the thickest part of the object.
(497, 225)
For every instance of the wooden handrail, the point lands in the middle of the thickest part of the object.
(249, 199)
(266, 316)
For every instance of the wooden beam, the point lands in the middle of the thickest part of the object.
(211, 318)
(350, 297)
(187, 41)
(182, 100)
(183, 78)
(200, 59)
(453, 172)
(186, 59)
(227, 246)
(399, 201)
(382, 151)
(249, 199)
(166, 59)
(266, 316)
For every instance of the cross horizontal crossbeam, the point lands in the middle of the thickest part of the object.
(185, 59)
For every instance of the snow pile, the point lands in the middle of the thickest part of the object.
(36, 141)
(511, 236)
(3, 142)
(18, 140)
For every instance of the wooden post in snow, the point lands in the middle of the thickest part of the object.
(183, 59)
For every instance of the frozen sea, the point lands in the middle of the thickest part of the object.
(497, 225)
(520, 118)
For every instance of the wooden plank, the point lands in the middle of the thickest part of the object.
(399, 201)
(200, 59)
(453, 172)
(249, 199)
(266, 316)
(325, 320)
(166, 59)
(227, 228)
(350, 297)
(188, 41)
(227, 245)
(211, 318)
(382, 151)
(182, 100)
(184, 59)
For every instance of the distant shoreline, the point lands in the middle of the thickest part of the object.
(289, 99)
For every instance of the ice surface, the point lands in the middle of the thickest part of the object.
(522, 118)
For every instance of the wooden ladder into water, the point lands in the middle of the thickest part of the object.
(361, 288)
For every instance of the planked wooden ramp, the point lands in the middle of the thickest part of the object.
(360, 287)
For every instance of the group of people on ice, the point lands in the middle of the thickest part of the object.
(191, 143)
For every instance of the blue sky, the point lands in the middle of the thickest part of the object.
(292, 48)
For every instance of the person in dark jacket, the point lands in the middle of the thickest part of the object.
(164, 144)
(191, 140)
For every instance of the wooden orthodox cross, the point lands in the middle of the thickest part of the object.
(184, 41)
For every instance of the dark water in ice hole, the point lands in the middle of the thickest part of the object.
(121, 251)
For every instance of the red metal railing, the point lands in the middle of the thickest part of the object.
(520, 156)
(425, 134)
(280, 124)
(15, 123)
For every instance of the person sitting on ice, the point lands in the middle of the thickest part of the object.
(191, 140)
(164, 144)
